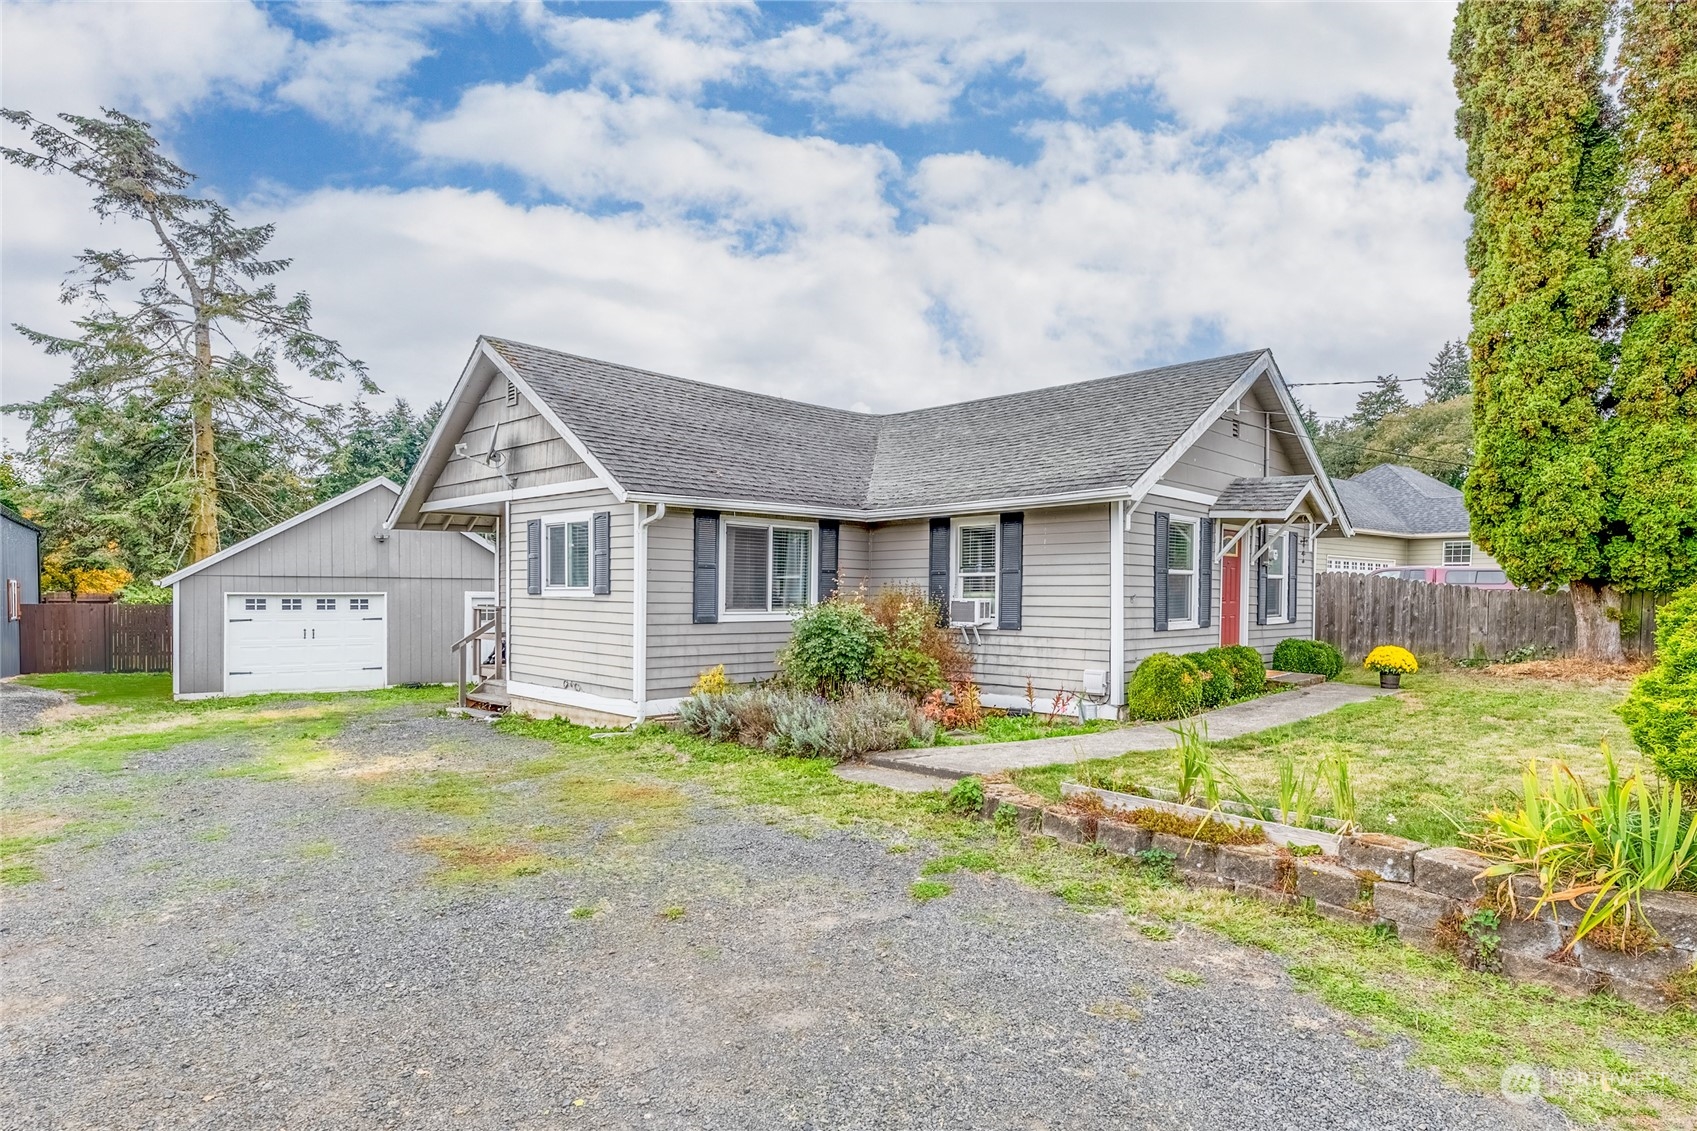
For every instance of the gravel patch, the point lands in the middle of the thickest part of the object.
(21, 705)
(274, 953)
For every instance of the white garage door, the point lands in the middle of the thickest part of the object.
(313, 642)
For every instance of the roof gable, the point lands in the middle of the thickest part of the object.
(1395, 499)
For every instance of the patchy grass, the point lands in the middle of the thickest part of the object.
(134, 691)
(1184, 977)
(317, 850)
(673, 913)
(447, 792)
(1424, 762)
(924, 891)
(1023, 728)
(482, 859)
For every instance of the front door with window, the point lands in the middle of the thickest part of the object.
(1231, 593)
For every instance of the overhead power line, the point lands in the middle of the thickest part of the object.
(1369, 381)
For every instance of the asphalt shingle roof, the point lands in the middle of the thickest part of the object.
(1265, 495)
(1401, 500)
(662, 435)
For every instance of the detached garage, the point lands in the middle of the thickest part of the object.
(330, 600)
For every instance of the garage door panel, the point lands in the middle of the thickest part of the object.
(310, 642)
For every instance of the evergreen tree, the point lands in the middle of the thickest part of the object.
(1653, 429)
(1384, 398)
(203, 341)
(1448, 376)
(369, 445)
(1544, 159)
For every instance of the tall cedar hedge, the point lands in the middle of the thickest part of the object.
(1585, 375)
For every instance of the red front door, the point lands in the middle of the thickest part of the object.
(1231, 593)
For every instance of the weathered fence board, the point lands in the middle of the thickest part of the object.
(83, 637)
(1356, 612)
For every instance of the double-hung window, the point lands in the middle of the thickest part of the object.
(1278, 577)
(976, 563)
(1181, 572)
(565, 553)
(1458, 553)
(768, 567)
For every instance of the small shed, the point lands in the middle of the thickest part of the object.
(20, 559)
(331, 600)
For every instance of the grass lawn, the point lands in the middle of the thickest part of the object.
(1424, 762)
(144, 689)
(1448, 734)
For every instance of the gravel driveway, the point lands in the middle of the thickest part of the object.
(270, 953)
(21, 705)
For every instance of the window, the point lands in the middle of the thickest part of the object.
(14, 599)
(1492, 577)
(253, 604)
(566, 553)
(975, 564)
(768, 569)
(326, 604)
(1181, 571)
(291, 604)
(1458, 553)
(1278, 572)
(1460, 576)
(359, 604)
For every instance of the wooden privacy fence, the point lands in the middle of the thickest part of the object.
(65, 636)
(1357, 612)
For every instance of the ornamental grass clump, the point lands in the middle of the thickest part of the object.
(1600, 851)
(1390, 658)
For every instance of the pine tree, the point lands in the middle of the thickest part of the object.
(1544, 159)
(369, 445)
(208, 329)
(1384, 398)
(1653, 429)
(1448, 376)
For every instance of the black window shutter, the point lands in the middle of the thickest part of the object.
(939, 577)
(1260, 576)
(533, 557)
(706, 600)
(830, 538)
(1161, 523)
(601, 532)
(1291, 572)
(1205, 572)
(1010, 596)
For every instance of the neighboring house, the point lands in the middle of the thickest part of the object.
(330, 600)
(653, 527)
(1400, 517)
(20, 553)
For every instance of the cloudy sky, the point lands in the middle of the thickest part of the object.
(880, 207)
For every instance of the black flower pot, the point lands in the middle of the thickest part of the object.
(1390, 681)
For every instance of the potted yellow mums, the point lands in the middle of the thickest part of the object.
(1392, 663)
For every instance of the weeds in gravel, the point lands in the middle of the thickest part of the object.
(468, 859)
(673, 914)
(1184, 977)
(924, 891)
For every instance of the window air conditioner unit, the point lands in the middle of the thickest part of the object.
(971, 612)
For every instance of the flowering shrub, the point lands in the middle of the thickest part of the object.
(959, 709)
(1390, 658)
(713, 681)
(889, 640)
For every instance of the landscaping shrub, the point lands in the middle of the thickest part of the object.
(966, 797)
(1218, 686)
(1661, 710)
(1164, 686)
(831, 648)
(909, 618)
(862, 721)
(1314, 656)
(1249, 673)
(712, 681)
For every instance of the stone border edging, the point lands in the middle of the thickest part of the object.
(1424, 894)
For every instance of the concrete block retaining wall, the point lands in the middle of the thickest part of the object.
(1428, 896)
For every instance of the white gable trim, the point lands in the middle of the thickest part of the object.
(553, 418)
(1288, 403)
(428, 455)
(289, 524)
(1198, 427)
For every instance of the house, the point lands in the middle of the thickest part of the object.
(20, 558)
(1399, 516)
(651, 527)
(330, 600)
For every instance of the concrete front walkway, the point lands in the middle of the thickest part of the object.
(1227, 722)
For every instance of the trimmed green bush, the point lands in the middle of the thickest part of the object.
(1249, 673)
(1218, 686)
(1294, 654)
(1661, 710)
(1164, 686)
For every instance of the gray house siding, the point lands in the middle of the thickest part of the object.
(425, 575)
(572, 642)
(534, 451)
(20, 550)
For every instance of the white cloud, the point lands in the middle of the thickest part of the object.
(348, 76)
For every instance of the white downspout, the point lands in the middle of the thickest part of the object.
(1116, 603)
(504, 592)
(639, 608)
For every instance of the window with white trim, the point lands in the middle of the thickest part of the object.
(1458, 553)
(253, 604)
(1181, 572)
(291, 604)
(359, 604)
(566, 552)
(1278, 577)
(326, 604)
(768, 567)
(976, 560)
